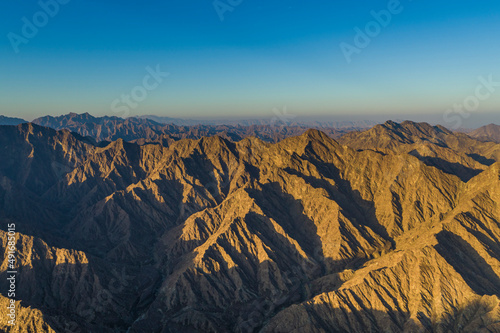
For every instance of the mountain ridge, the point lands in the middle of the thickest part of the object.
(11, 121)
(216, 235)
(489, 132)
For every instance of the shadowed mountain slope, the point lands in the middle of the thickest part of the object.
(211, 235)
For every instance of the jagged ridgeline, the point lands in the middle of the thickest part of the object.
(149, 129)
(394, 229)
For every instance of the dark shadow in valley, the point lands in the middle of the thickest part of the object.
(481, 159)
(102, 230)
(82, 297)
(201, 168)
(323, 317)
(464, 173)
(352, 205)
(288, 213)
(465, 318)
(361, 212)
(492, 247)
(476, 272)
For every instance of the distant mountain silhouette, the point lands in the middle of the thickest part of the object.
(146, 130)
(293, 122)
(11, 121)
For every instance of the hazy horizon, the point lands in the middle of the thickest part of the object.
(397, 58)
(475, 122)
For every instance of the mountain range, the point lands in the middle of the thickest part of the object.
(125, 228)
(147, 130)
(281, 118)
(151, 128)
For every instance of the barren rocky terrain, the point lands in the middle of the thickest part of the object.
(393, 229)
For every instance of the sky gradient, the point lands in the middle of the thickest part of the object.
(262, 55)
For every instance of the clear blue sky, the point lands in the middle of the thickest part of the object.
(264, 54)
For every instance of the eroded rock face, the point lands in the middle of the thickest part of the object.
(211, 235)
